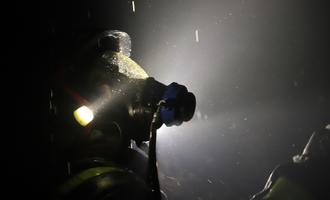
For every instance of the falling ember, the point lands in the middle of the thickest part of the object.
(196, 36)
(133, 6)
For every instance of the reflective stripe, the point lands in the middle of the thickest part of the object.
(80, 178)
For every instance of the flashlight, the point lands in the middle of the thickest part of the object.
(179, 104)
(83, 115)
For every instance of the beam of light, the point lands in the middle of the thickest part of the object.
(83, 115)
(196, 35)
(133, 6)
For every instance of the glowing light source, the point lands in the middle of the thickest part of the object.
(83, 115)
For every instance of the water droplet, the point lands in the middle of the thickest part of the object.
(51, 138)
(88, 14)
(232, 125)
(295, 83)
(199, 115)
(69, 167)
(196, 35)
(327, 127)
(133, 6)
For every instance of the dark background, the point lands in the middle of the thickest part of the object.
(260, 73)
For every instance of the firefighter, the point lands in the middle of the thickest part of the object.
(306, 177)
(105, 106)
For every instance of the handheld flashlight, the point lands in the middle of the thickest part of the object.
(83, 115)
